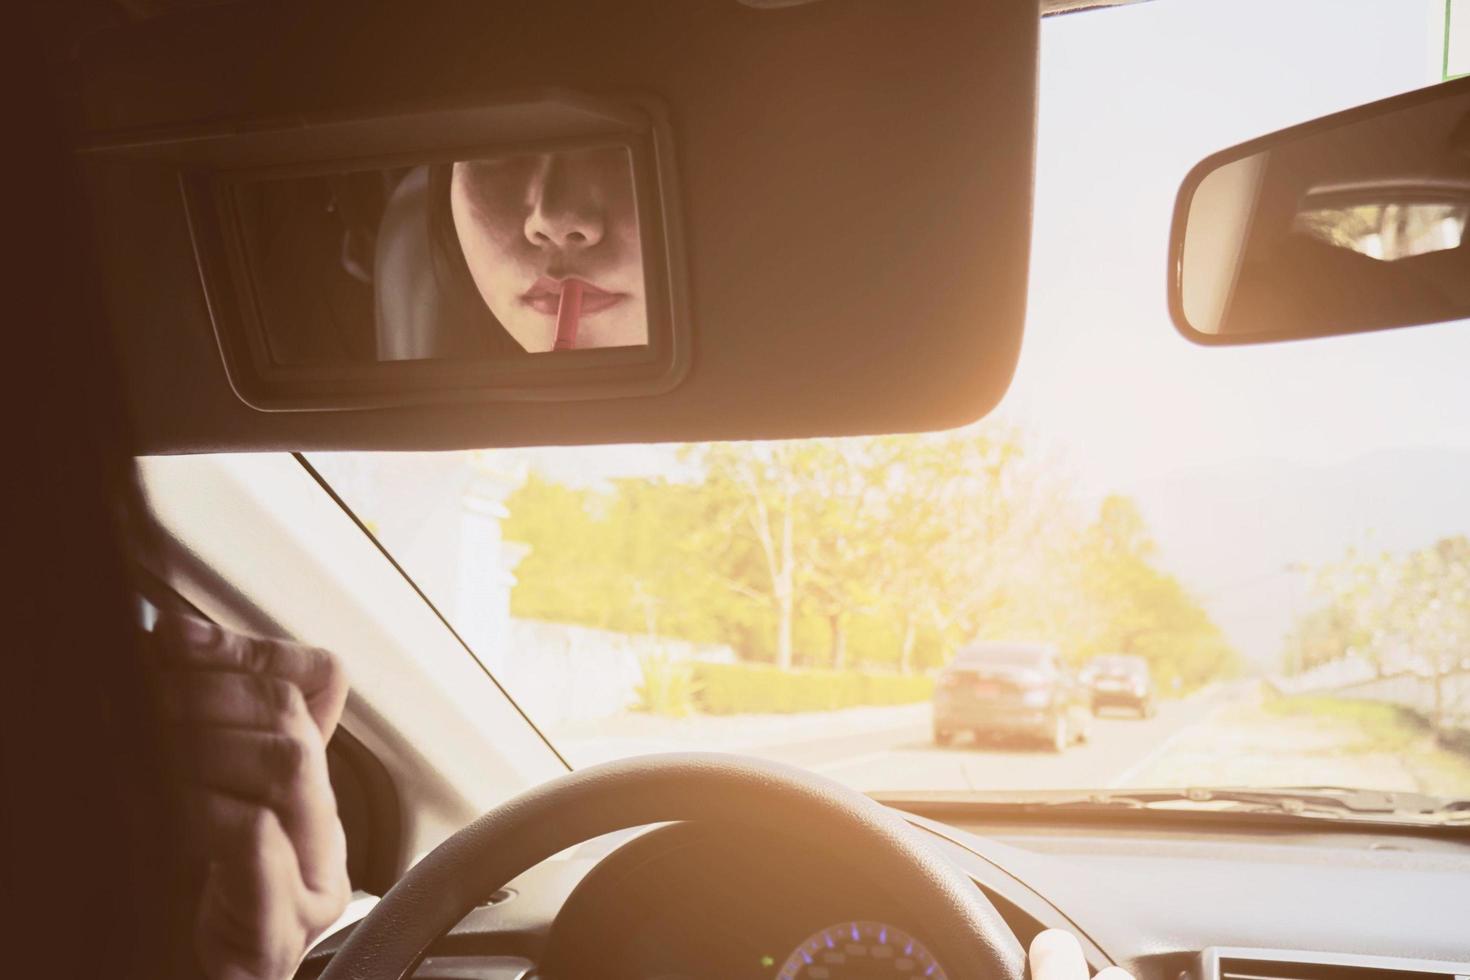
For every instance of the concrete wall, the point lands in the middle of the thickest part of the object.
(1411, 689)
(560, 673)
(440, 516)
(1417, 692)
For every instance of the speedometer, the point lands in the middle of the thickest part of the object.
(860, 951)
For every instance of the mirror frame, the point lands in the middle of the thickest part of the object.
(1185, 199)
(538, 123)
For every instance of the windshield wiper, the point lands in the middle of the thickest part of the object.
(1325, 802)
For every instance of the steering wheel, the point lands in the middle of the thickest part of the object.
(961, 927)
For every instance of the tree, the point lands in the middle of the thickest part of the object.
(891, 550)
(1409, 611)
(1135, 607)
(848, 526)
(617, 558)
(1434, 609)
(958, 520)
(805, 510)
(1321, 636)
(755, 500)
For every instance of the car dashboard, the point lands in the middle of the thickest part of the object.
(1169, 897)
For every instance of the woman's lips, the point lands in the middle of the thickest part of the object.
(544, 296)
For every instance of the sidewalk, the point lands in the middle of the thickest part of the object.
(1308, 743)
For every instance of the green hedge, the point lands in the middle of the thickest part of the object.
(729, 689)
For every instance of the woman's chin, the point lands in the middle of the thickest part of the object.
(535, 336)
(627, 330)
(537, 333)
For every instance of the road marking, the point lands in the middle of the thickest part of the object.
(1206, 694)
(1158, 751)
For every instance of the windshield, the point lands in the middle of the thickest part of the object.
(1279, 533)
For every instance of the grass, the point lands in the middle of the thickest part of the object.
(667, 688)
(1385, 728)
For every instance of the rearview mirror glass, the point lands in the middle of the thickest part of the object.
(1351, 223)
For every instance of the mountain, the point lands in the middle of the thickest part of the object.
(1244, 535)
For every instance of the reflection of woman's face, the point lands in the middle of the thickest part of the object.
(527, 224)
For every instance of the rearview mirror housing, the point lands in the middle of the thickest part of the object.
(1350, 223)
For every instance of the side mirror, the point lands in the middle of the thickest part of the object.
(1353, 222)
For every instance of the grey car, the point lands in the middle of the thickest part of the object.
(1120, 681)
(1020, 689)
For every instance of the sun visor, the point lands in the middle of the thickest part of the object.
(464, 225)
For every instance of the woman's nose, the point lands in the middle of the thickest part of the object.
(564, 211)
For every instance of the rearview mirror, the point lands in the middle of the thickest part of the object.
(1350, 223)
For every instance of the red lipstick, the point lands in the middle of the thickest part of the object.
(568, 315)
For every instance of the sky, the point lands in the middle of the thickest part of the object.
(1130, 99)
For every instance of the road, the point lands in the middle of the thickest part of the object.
(1121, 746)
(892, 748)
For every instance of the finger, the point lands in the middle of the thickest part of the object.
(247, 846)
(187, 642)
(254, 860)
(285, 772)
(209, 697)
(1056, 955)
(248, 925)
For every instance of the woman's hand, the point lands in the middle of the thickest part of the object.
(252, 717)
(1056, 955)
